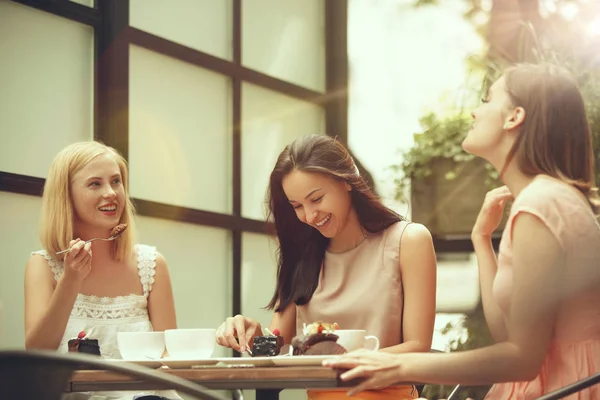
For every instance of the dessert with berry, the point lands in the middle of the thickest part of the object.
(82, 344)
(268, 345)
(318, 339)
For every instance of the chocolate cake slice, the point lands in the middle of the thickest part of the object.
(318, 339)
(324, 349)
(81, 344)
(317, 344)
(267, 346)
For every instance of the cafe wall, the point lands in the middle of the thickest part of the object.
(211, 93)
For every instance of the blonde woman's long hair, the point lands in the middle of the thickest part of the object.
(58, 215)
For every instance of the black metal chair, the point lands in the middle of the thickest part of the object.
(45, 375)
(572, 388)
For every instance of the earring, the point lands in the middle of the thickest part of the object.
(505, 127)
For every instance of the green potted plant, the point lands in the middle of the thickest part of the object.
(447, 185)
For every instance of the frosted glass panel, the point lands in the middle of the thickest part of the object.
(285, 39)
(259, 270)
(179, 133)
(199, 260)
(46, 81)
(270, 121)
(21, 213)
(204, 25)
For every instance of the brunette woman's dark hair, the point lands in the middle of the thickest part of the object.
(302, 247)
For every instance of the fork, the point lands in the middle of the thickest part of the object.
(113, 237)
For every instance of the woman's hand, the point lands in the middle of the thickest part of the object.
(78, 260)
(491, 211)
(377, 369)
(240, 327)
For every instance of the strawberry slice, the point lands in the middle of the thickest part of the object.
(81, 335)
(276, 332)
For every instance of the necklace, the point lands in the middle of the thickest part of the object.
(364, 237)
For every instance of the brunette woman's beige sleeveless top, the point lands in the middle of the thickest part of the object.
(361, 288)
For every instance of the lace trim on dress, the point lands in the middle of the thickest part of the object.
(107, 308)
(146, 258)
(55, 265)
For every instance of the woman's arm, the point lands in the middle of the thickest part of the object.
(488, 265)
(487, 222)
(161, 306)
(47, 309)
(418, 266)
(285, 321)
(539, 269)
(239, 331)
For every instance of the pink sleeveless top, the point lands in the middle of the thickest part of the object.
(361, 288)
(574, 351)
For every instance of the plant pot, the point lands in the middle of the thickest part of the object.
(450, 206)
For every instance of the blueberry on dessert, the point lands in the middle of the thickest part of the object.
(318, 339)
(268, 345)
(82, 344)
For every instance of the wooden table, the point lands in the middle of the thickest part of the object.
(267, 381)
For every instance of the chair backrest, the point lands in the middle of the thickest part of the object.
(45, 375)
(572, 388)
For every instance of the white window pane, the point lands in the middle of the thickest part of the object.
(204, 25)
(458, 289)
(270, 121)
(199, 260)
(287, 41)
(21, 213)
(179, 133)
(259, 270)
(88, 3)
(46, 81)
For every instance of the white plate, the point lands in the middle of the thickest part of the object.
(178, 363)
(145, 363)
(254, 361)
(277, 361)
(300, 361)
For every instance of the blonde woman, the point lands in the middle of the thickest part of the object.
(100, 288)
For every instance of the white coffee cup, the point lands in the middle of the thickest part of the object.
(354, 339)
(141, 345)
(190, 344)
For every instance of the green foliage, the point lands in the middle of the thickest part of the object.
(478, 336)
(422, 3)
(439, 138)
(550, 38)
